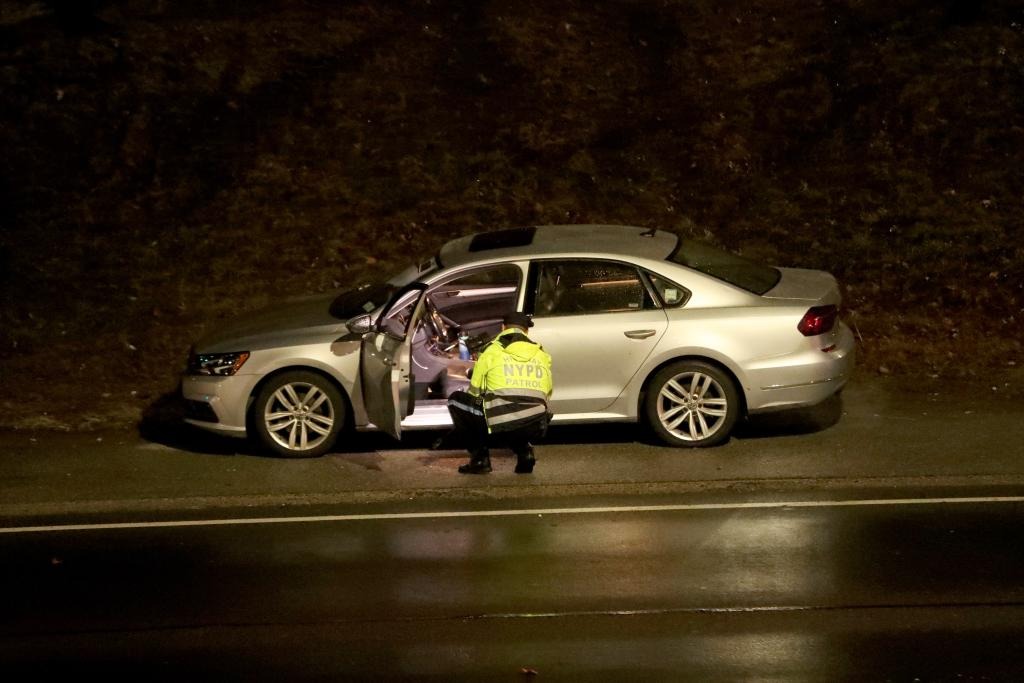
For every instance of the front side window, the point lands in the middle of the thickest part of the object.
(586, 287)
(486, 293)
(396, 318)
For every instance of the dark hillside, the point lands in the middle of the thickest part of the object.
(167, 164)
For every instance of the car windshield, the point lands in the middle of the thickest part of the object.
(365, 298)
(368, 297)
(736, 270)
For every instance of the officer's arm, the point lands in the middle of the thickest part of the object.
(476, 380)
(551, 383)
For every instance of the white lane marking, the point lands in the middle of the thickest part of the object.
(514, 513)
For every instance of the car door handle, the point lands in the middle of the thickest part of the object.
(640, 334)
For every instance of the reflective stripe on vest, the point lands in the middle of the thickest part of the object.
(517, 393)
(507, 409)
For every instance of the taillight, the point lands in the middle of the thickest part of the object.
(818, 320)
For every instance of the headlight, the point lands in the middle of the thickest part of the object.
(218, 364)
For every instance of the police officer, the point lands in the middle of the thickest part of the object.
(508, 397)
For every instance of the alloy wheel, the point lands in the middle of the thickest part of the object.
(299, 416)
(692, 406)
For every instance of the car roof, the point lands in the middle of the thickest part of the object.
(549, 240)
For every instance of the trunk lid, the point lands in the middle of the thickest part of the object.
(807, 286)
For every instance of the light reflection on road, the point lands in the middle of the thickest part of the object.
(629, 559)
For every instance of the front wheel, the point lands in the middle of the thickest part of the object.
(692, 404)
(299, 414)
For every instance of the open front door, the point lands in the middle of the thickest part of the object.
(386, 361)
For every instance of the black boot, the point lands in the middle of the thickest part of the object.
(479, 463)
(525, 461)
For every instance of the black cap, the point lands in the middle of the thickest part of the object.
(518, 320)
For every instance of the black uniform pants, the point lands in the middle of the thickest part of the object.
(468, 418)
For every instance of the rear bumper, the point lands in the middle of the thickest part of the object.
(805, 378)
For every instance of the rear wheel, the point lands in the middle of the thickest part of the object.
(692, 404)
(299, 414)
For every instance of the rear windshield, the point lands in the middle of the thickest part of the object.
(731, 268)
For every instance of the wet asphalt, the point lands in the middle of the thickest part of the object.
(904, 591)
(877, 435)
(875, 538)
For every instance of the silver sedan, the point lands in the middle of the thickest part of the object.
(642, 325)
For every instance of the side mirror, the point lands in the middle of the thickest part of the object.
(361, 324)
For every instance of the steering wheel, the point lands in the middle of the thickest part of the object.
(437, 320)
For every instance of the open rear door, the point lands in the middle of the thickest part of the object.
(386, 361)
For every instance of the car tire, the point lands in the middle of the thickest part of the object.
(299, 414)
(692, 404)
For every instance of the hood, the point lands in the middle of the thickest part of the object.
(283, 324)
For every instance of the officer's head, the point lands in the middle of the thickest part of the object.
(520, 320)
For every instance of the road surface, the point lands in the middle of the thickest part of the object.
(873, 539)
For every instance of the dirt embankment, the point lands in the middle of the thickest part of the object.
(167, 165)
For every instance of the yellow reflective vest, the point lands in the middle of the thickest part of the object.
(513, 376)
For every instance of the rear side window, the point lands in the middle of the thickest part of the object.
(736, 270)
(671, 294)
(582, 287)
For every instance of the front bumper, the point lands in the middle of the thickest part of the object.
(218, 404)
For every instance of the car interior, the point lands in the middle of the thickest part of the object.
(470, 306)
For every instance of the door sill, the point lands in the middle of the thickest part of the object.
(429, 414)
